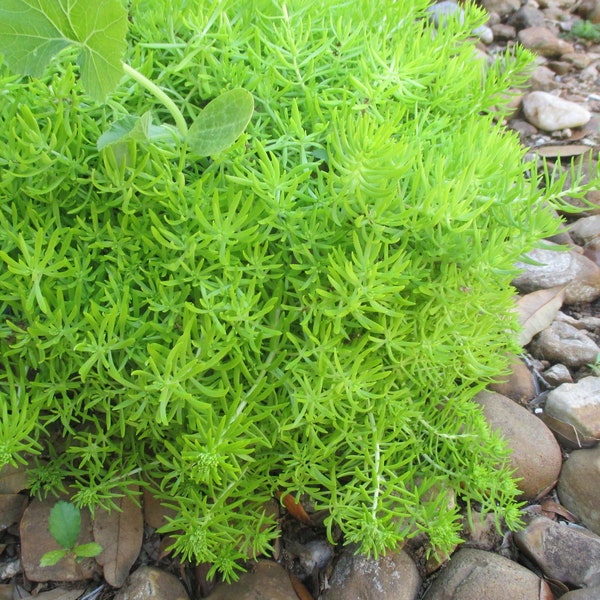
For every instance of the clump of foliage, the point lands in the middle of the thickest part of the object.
(310, 311)
(586, 30)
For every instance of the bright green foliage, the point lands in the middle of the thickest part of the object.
(586, 30)
(312, 311)
(64, 525)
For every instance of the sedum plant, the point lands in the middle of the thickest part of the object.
(310, 311)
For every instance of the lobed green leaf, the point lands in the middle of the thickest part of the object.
(33, 32)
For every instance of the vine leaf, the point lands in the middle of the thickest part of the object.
(32, 32)
(221, 122)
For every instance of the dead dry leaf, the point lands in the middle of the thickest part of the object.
(294, 508)
(537, 310)
(300, 589)
(545, 591)
(61, 593)
(120, 533)
(13, 479)
(156, 514)
(558, 151)
(567, 433)
(551, 508)
(11, 509)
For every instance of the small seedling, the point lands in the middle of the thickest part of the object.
(595, 366)
(64, 525)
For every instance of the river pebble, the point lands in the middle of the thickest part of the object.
(564, 553)
(579, 486)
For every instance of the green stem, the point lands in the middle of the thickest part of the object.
(160, 95)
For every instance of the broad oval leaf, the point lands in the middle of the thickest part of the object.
(88, 550)
(221, 122)
(65, 524)
(53, 557)
(32, 32)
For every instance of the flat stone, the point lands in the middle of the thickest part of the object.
(543, 42)
(579, 486)
(267, 580)
(357, 577)
(476, 575)
(578, 404)
(536, 455)
(151, 583)
(579, 274)
(563, 553)
(565, 344)
(551, 113)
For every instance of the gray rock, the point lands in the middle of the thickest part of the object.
(557, 374)
(442, 11)
(151, 583)
(590, 323)
(551, 113)
(267, 580)
(543, 79)
(356, 577)
(542, 41)
(484, 33)
(476, 575)
(579, 274)
(527, 16)
(503, 32)
(564, 553)
(501, 7)
(565, 344)
(578, 404)
(536, 455)
(592, 593)
(585, 230)
(579, 486)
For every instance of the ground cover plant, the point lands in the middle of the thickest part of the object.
(309, 311)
